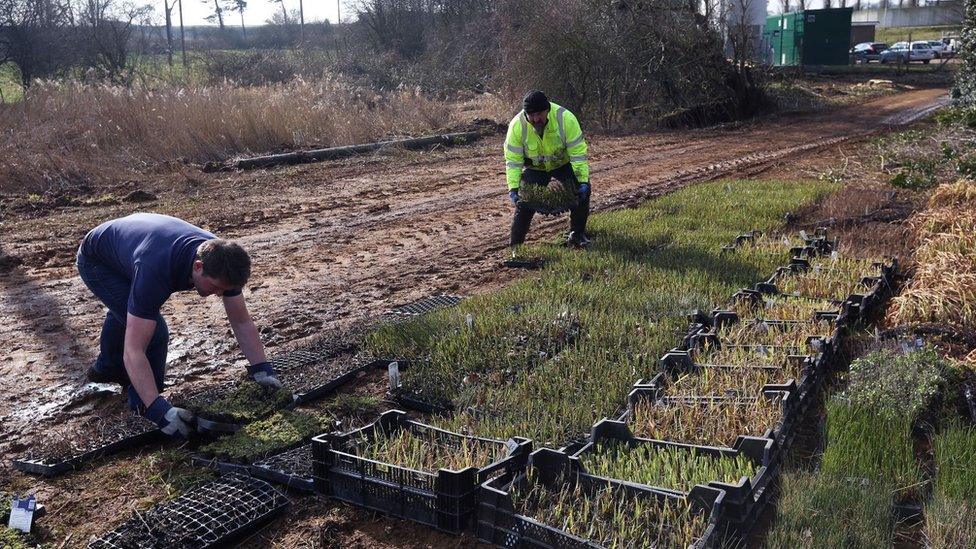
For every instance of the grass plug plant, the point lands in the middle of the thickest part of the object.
(735, 382)
(758, 332)
(260, 438)
(950, 523)
(955, 448)
(865, 444)
(817, 510)
(784, 308)
(609, 517)
(554, 197)
(748, 355)
(674, 468)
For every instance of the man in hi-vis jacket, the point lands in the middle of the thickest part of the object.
(545, 141)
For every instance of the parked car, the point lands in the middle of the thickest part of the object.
(903, 52)
(868, 51)
(938, 47)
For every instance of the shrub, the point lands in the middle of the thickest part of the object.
(894, 383)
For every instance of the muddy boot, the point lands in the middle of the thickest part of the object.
(97, 376)
(577, 239)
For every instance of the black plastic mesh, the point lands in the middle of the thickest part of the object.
(208, 515)
(426, 305)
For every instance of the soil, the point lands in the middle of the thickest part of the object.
(333, 243)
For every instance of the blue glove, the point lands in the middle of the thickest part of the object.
(172, 421)
(513, 195)
(264, 375)
(584, 189)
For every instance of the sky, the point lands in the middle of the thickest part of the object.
(257, 12)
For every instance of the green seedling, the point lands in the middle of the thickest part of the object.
(260, 438)
(741, 382)
(820, 510)
(748, 355)
(895, 383)
(673, 468)
(706, 422)
(864, 444)
(426, 451)
(609, 517)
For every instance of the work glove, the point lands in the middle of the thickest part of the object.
(264, 375)
(513, 196)
(583, 189)
(173, 421)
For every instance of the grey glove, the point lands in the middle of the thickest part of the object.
(172, 421)
(263, 373)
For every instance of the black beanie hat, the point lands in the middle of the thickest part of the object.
(535, 101)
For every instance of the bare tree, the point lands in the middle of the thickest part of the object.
(239, 6)
(218, 13)
(168, 14)
(35, 36)
(109, 25)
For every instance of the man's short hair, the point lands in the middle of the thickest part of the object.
(225, 261)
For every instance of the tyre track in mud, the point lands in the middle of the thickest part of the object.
(341, 240)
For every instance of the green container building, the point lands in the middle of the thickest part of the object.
(809, 37)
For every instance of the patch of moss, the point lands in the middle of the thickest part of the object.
(4, 504)
(11, 539)
(173, 472)
(242, 403)
(261, 438)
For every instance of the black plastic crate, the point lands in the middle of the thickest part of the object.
(741, 498)
(501, 524)
(291, 468)
(211, 514)
(793, 408)
(121, 433)
(315, 376)
(443, 499)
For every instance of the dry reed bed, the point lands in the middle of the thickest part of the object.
(943, 289)
(68, 132)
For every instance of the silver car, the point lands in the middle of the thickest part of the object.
(904, 53)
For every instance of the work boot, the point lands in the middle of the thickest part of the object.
(577, 239)
(96, 376)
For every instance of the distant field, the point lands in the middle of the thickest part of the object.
(10, 83)
(892, 35)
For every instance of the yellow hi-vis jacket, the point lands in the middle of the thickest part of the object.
(561, 142)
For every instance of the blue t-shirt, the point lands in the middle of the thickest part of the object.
(155, 252)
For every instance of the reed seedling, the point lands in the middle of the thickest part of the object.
(950, 523)
(747, 355)
(234, 403)
(896, 383)
(828, 278)
(608, 516)
(425, 451)
(674, 468)
(261, 438)
(733, 382)
(784, 308)
(759, 332)
(706, 422)
(955, 451)
(817, 510)
(862, 443)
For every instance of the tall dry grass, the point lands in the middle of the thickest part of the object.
(943, 289)
(71, 133)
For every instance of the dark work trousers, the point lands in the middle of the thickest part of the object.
(523, 216)
(113, 291)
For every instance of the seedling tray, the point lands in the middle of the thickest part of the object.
(426, 305)
(782, 432)
(218, 424)
(443, 499)
(531, 263)
(211, 514)
(413, 401)
(291, 468)
(501, 524)
(129, 432)
(741, 498)
(313, 379)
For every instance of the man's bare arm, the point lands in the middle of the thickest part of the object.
(138, 332)
(244, 329)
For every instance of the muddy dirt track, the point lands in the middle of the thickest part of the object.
(335, 241)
